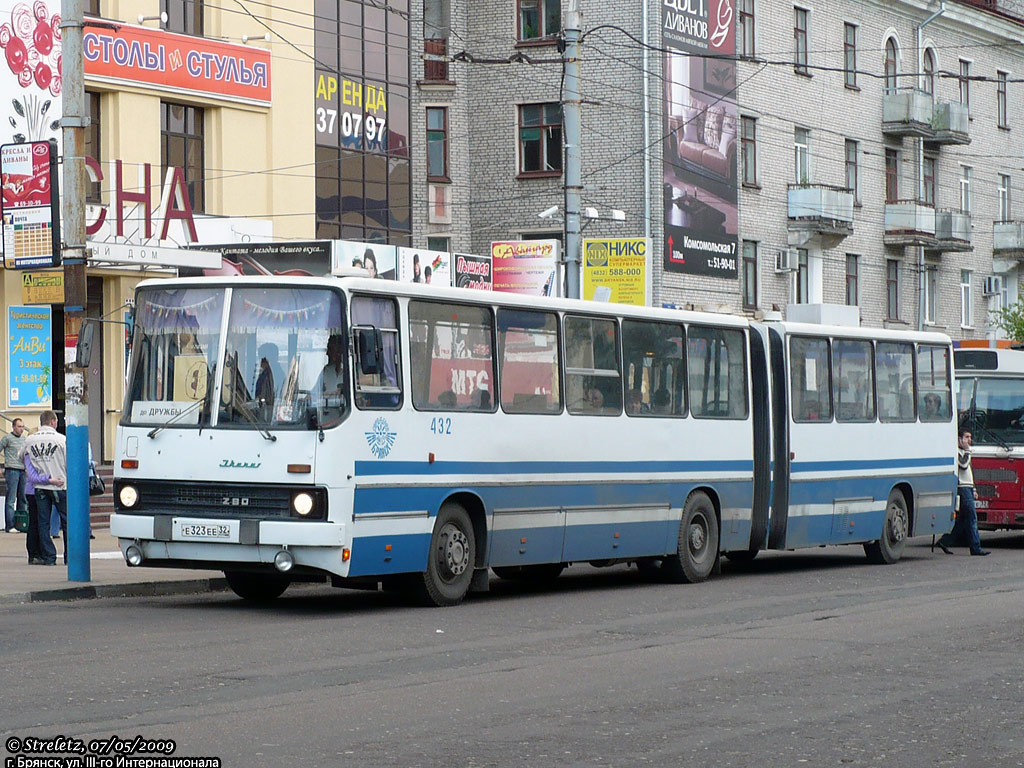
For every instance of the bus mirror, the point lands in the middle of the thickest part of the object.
(367, 345)
(83, 350)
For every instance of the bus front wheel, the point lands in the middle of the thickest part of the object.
(257, 587)
(698, 542)
(889, 547)
(450, 560)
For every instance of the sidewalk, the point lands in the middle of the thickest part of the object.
(110, 576)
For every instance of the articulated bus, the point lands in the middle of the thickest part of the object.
(990, 398)
(389, 435)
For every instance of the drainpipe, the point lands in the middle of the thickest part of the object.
(922, 277)
(647, 151)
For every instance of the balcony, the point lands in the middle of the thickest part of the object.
(952, 231)
(821, 210)
(907, 112)
(1008, 239)
(909, 222)
(950, 121)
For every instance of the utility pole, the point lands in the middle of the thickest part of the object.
(571, 119)
(76, 403)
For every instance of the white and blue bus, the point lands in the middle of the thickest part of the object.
(390, 434)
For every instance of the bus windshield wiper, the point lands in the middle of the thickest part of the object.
(251, 417)
(157, 430)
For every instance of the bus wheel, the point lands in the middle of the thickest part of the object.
(530, 574)
(698, 542)
(889, 548)
(450, 560)
(257, 587)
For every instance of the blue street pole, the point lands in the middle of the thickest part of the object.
(78, 499)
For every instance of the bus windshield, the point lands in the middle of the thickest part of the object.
(1000, 409)
(284, 358)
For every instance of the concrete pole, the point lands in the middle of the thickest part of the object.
(76, 413)
(571, 120)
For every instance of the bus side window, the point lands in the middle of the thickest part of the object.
(933, 382)
(716, 370)
(809, 375)
(592, 377)
(452, 356)
(378, 381)
(655, 375)
(528, 355)
(894, 373)
(853, 380)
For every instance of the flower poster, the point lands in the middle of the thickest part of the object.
(30, 73)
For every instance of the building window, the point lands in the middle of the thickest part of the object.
(540, 138)
(852, 276)
(800, 278)
(747, 28)
(800, 41)
(928, 72)
(539, 19)
(1001, 117)
(891, 64)
(748, 142)
(1004, 197)
(965, 83)
(92, 8)
(439, 243)
(92, 143)
(892, 289)
(436, 30)
(966, 314)
(802, 155)
(965, 188)
(184, 16)
(928, 181)
(892, 175)
(749, 274)
(852, 176)
(437, 144)
(182, 146)
(931, 294)
(850, 54)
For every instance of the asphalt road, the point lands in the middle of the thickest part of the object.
(810, 658)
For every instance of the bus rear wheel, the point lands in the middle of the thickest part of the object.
(257, 587)
(450, 560)
(889, 547)
(698, 542)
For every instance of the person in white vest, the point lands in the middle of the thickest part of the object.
(48, 450)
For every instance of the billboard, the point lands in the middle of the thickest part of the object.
(472, 271)
(376, 258)
(30, 36)
(29, 205)
(417, 265)
(29, 351)
(615, 270)
(525, 266)
(701, 138)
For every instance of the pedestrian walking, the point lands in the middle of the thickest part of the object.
(12, 444)
(47, 450)
(966, 525)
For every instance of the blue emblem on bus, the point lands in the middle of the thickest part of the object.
(381, 439)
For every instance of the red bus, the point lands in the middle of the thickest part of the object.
(990, 397)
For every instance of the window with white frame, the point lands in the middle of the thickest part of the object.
(928, 72)
(800, 278)
(749, 274)
(931, 294)
(746, 28)
(850, 55)
(892, 289)
(802, 155)
(965, 83)
(966, 311)
(1004, 197)
(967, 173)
(539, 19)
(891, 66)
(1001, 117)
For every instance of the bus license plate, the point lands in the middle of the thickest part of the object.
(981, 504)
(204, 531)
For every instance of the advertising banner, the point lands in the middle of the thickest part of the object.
(303, 258)
(615, 270)
(165, 61)
(376, 258)
(30, 109)
(701, 138)
(472, 271)
(42, 287)
(29, 351)
(30, 205)
(525, 266)
(416, 265)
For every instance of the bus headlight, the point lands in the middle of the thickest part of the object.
(128, 496)
(302, 503)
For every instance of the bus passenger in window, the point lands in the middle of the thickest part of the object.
(661, 402)
(447, 399)
(332, 379)
(932, 410)
(593, 401)
(633, 401)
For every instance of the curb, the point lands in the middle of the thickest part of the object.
(138, 589)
